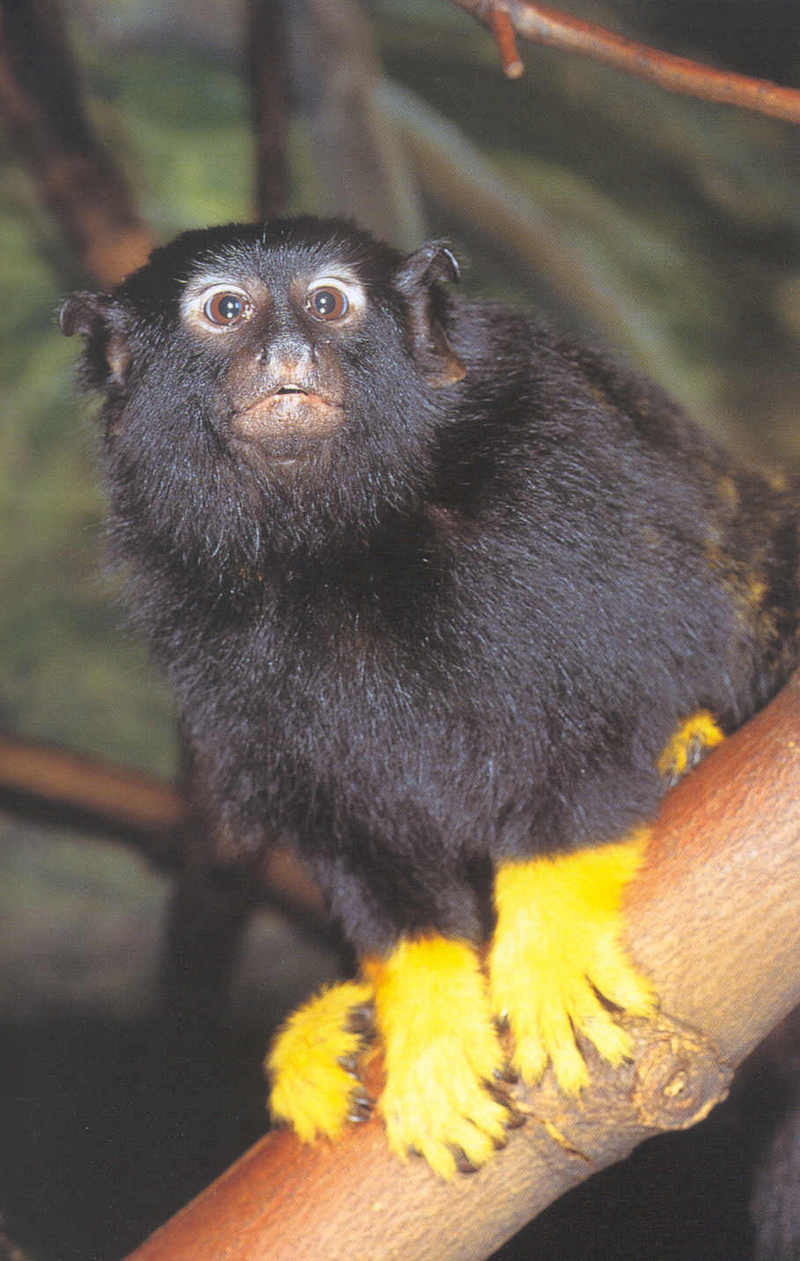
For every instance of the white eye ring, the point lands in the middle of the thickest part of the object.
(217, 306)
(331, 299)
(327, 302)
(225, 306)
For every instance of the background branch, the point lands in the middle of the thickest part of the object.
(360, 167)
(60, 787)
(546, 26)
(712, 919)
(266, 52)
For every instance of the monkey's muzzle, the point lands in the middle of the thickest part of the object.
(288, 409)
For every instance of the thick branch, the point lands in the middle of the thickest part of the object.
(542, 25)
(713, 919)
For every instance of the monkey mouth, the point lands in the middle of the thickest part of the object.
(288, 409)
(284, 390)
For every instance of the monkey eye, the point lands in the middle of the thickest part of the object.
(327, 302)
(225, 308)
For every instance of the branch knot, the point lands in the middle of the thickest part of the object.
(680, 1077)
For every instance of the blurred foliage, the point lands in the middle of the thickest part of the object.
(71, 673)
(686, 213)
(67, 675)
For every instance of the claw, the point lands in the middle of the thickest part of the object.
(361, 1020)
(513, 1118)
(516, 1119)
(507, 1075)
(463, 1164)
(350, 1065)
(360, 1108)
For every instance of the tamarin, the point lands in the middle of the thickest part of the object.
(446, 601)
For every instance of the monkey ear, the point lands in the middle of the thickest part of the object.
(418, 278)
(98, 317)
(432, 261)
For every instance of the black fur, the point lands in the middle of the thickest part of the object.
(460, 626)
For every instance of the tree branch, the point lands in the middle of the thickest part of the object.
(361, 168)
(57, 786)
(542, 25)
(266, 54)
(505, 37)
(713, 919)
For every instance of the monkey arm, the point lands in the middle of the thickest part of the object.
(558, 953)
(711, 918)
(557, 948)
(441, 1048)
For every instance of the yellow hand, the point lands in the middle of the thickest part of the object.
(312, 1063)
(557, 953)
(441, 1051)
(695, 737)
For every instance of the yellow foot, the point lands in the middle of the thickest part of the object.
(442, 1054)
(313, 1062)
(557, 954)
(695, 737)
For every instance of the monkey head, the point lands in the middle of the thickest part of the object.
(267, 385)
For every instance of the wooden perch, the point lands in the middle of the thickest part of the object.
(713, 919)
(542, 25)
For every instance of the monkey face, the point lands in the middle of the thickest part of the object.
(281, 341)
(288, 370)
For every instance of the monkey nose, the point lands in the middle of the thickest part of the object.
(288, 362)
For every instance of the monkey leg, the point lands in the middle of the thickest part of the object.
(557, 958)
(442, 1054)
(313, 1062)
